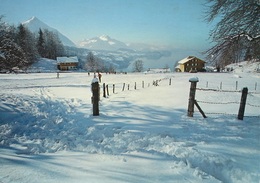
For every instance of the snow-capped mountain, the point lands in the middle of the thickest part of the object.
(114, 52)
(107, 43)
(34, 24)
(103, 42)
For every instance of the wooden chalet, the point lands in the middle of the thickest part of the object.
(67, 63)
(190, 64)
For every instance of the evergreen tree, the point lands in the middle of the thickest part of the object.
(11, 54)
(41, 44)
(26, 40)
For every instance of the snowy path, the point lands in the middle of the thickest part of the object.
(47, 132)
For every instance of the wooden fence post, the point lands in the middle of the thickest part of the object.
(95, 98)
(170, 82)
(135, 85)
(193, 85)
(242, 107)
(123, 87)
(143, 84)
(104, 90)
(113, 88)
(107, 90)
(201, 111)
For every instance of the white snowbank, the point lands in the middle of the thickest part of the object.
(44, 65)
(48, 133)
(244, 67)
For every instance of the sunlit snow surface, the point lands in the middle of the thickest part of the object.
(48, 133)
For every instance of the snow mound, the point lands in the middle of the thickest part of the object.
(43, 65)
(244, 67)
(41, 114)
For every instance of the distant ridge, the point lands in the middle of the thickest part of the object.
(103, 42)
(107, 43)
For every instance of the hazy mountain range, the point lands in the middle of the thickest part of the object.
(103, 42)
(113, 51)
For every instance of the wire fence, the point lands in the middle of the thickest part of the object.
(216, 98)
(206, 96)
(107, 89)
(229, 86)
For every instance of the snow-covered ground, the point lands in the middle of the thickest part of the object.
(48, 133)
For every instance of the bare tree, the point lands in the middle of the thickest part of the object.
(237, 34)
(91, 62)
(138, 66)
(53, 45)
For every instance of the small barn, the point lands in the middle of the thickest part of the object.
(67, 63)
(190, 64)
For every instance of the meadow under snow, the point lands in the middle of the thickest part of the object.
(48, 132)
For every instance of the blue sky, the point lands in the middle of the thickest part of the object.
(174, 23)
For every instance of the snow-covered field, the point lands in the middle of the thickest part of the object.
(48, 133)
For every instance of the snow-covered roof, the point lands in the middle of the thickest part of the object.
(177, 67)
(185, 60)
(67, 59)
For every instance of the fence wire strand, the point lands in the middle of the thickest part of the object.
(217, 102)
(253, 105)
(225, 103)
(217, 90)
(220, 90)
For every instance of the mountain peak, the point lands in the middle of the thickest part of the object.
(104, 37)
(34, 24)
(31, 20)
(34, 18)
(103, 42)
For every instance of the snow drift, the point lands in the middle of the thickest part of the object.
(47, 130)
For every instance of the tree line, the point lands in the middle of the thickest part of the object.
(19, 47)
(92, 63)
(237, 32)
